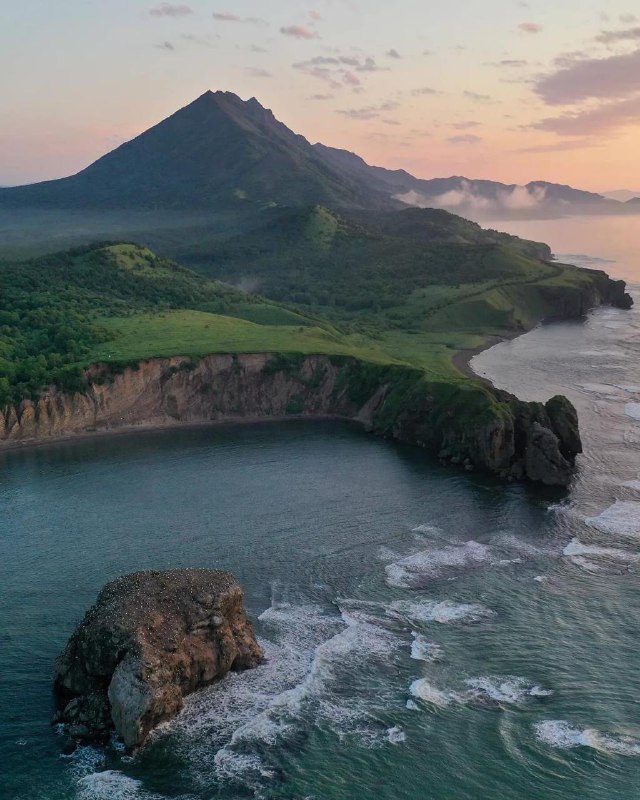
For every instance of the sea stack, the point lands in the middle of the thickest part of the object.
(150, 639)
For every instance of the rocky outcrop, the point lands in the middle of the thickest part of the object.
(150, 639)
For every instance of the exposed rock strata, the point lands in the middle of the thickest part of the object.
(150, 639)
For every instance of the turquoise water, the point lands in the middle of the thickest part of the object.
(429, 633)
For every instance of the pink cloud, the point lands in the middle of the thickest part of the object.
(530, 27)
(351, 79)
(316, 16)
(229, 16)
(299, 32)
(603, 119)
(604, 78)
(467, 138)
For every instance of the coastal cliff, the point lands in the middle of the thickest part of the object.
(465, 423)
(150, 639)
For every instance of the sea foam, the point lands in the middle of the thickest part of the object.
(444, 612)
(621, 519)
(506, 690)
(563, 735)
(424, 650)
(415, 571)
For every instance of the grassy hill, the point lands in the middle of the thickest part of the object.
(119, 303)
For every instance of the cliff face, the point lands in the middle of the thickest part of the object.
(150, 639)
(466, 423)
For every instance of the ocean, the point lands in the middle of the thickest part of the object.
(429, 633)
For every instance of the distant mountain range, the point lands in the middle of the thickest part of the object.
(623, 195)
(221, 152)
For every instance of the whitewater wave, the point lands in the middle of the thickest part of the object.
(563, 735)
(415, 571)
(429, 694)
(424, 650)
(621, 519)
(583, 555)
(227, 730)
(444, 612)
(113, 785)
(396, 735)
(506, 690)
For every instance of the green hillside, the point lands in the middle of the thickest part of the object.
(120, 303)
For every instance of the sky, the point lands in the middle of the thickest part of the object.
(500, 89)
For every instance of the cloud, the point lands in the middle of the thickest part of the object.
(465, 138)
(610, 37)
(316, 16)
(423, 90)
(229, 16)
(322, 97)
(605, 118)
(605, 78)
(368, 112)
(518, 197)
(627, 19)
(166, 46)
(529, 27)
(393, 53)
(552, 147)
(258, 72)
(203, 41)
(512, 63)
(479, 98)
(465, 126)
(337, 70)
(171, 10)
(299, 32)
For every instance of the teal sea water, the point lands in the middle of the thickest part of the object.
(429, 633)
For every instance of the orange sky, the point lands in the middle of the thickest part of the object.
(494, 89)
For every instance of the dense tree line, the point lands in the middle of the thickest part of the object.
(51, 307)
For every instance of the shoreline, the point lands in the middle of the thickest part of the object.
(462, 358)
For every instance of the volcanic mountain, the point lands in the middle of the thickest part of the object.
(217, 151)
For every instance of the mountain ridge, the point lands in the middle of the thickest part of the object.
(220, 152)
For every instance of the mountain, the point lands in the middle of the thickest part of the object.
(216, 152)
(476, 199)
(622, 195)
(234, 158)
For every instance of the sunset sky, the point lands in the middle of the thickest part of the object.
(499, 89)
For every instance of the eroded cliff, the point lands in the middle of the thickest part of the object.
(464, 422)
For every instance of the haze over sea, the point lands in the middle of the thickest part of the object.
(429, 633)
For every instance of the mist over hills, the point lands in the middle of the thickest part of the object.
(221, 153)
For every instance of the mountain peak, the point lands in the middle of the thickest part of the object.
(216, 152)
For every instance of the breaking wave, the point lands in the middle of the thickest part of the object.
(563, 735)
(416, 570)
